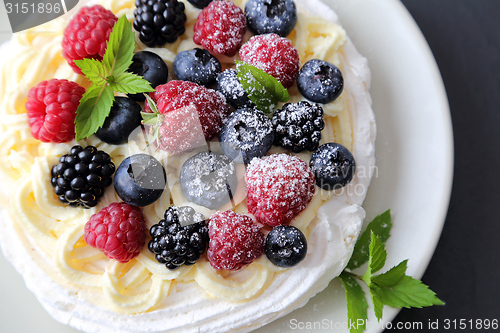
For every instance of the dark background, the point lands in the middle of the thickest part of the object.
(464, 36)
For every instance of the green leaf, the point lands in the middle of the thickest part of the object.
(94, 70)
(94, 107)
(262, 89)
(378, 305)
(392, 276)
(129, 83)
(356, 303)
(378, 254)
(120, 47)
(409, 292)
(380, 226)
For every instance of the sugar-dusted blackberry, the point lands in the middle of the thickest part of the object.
(298, 126)
(180, 238)
(159, 21)
(80, 177)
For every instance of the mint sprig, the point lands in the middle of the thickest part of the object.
(108, 76)
(262, 89)
(393, 288)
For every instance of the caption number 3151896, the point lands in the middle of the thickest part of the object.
(27, 14)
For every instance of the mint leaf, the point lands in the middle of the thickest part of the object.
(94, 70)
(262, 89)
(409, 292)
(378, 305)
(392, 276)
(356, 303)
(380, 226)
(129, 83)
(120, 47)
(94, 107)
(378, 255)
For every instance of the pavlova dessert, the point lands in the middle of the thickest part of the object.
(183, 166)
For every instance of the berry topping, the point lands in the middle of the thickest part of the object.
(151, 67)
(140, 180)
(320, 81)
(298, 126)
(220, 27)
(279, 186)
(124, 117)
(80, 177)
(180, 238)
(235, 241)
(286, 246)
(159, 21)
(52, 108)
(273, 54)
(232, 89)
(208, 179)
(118, 230)
(333, 166)
(246, 133)
(271, 16)
(200, 4)
(211, 105)
(197, 65)
(87, 34)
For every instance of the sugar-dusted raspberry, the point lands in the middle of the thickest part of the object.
(273, 54)
(118, 230)
(211, 106)
(52, 108)
(220, 27)
(235, 240)
(87, 34)
(279, 186)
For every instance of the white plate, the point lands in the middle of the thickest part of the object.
(414, 153)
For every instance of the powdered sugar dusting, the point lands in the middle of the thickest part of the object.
(235, 240)
(279, 187)
(220, 27)
(273, 54)
(210, 104)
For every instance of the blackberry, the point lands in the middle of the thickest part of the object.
(159, 21)
(80, 177)
(298, 126)
(180, 238)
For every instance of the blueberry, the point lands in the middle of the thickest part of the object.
(285, 246)
(245, 134)
(271, 16)
(232, 89)
(208, 179)
(200, 4)
(197, 65)
(320, 81)
(140, 180)
(333, 166)
(151, 67)
(124, 117)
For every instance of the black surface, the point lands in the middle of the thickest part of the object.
(464, 36)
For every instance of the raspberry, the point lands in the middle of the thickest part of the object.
(118, 230)
(235, 240)
(220, 27)
(279, 186)
(211, 107)
(52, 108)
(87, 34)
(273, 54)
